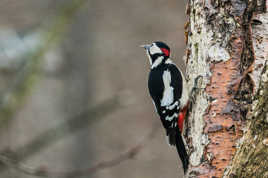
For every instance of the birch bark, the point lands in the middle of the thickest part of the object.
(227, 43)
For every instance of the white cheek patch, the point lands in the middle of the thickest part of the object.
(154, 49)
(168, 96)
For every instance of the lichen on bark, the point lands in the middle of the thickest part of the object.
(220, 48)
(250, 159)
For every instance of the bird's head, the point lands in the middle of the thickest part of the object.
(157, 51)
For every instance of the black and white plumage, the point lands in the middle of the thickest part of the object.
(169, 92)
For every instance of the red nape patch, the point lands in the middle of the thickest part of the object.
(165, 51)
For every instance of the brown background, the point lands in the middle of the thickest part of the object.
(98, 59)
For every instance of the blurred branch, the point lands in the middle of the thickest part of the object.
(14, 96)
(80, 121)
(42, 172)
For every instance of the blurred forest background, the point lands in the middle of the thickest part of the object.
(73, 87)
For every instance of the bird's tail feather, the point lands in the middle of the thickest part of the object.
(175, 139)
(182, 151)
(172, 136)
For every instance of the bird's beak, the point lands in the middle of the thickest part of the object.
(145, 46)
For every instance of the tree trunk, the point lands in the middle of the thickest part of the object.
(227, 45)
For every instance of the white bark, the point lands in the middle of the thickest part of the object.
(220, 48)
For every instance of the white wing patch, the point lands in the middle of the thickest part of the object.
(171, 107)
(168, 96)
(185, 95)
(170, 118)
(154, 49)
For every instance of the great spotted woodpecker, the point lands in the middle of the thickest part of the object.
(169, 92)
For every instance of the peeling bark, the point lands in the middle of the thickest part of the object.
(222, 48)
(250, 159)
